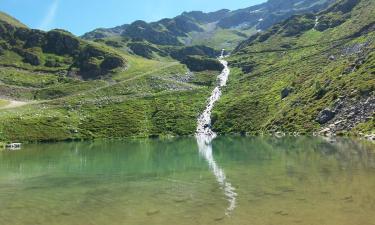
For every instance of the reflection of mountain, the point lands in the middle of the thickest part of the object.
(205, 150)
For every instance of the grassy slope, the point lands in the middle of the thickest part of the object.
(5, 17)
(252, 102)
(221, 38)
(150, 98)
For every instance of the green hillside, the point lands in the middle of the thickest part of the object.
(55, 86)
(312, 72)
(307, 74)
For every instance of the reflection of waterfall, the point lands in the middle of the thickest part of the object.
(205, 136)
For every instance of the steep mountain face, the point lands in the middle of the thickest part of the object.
(53, 51)
(221, 29)
(310, 73)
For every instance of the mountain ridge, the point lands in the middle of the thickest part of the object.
(197, 27)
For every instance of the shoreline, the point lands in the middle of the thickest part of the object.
(363, 137)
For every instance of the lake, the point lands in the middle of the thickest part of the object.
(233, 180)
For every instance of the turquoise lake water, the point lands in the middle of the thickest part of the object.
(236, 180)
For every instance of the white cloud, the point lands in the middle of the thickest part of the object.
(49, 18)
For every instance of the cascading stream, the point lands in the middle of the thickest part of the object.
(205, 136)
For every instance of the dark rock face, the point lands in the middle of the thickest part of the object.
(325, 116)
(28, 57)
(61, 43)
(198, 50)
(196, 63)
(111, 62)
(141, 30)
(36, 38)
(31, 58)
(94, 62)
(145, 49)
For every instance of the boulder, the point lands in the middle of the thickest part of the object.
(325, 116)
(286, 92)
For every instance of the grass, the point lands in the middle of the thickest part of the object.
(3, 103)
(220, 38)
(151, 98)
(252, 101)
(8, 19)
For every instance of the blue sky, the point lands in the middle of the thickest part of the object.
(80, 16)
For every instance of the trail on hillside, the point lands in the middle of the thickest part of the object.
(14, 104)
(205, 135)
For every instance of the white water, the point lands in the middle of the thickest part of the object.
(204, 121)
(316, 22)
(205, 136)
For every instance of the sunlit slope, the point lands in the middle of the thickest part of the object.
(307, 74)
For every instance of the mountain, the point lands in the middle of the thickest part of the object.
(56, 51)
(220, 29)
(309, 73)
(55, 86)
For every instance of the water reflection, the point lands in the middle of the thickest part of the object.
(205, 150)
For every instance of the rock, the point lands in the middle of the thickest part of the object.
(325, 131)
(286, 92)
(61, 42)
(325, 116)
(31, 58)
(370, 137)
(36, 38)
(332, 57)
(112, 62)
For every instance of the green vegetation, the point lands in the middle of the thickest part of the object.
(283, 79)
(3, 103)
(314, 70)
(10, 20)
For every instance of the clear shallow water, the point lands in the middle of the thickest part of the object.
(275, 181)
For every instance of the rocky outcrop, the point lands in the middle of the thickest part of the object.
(111, 62)
(61, 42)
(198, 63)
(28, 57)
(325, 116)
(94, 62)
(145, 49)
(348, 113)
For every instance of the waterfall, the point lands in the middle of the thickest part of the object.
(204, 121)
(205, 136)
